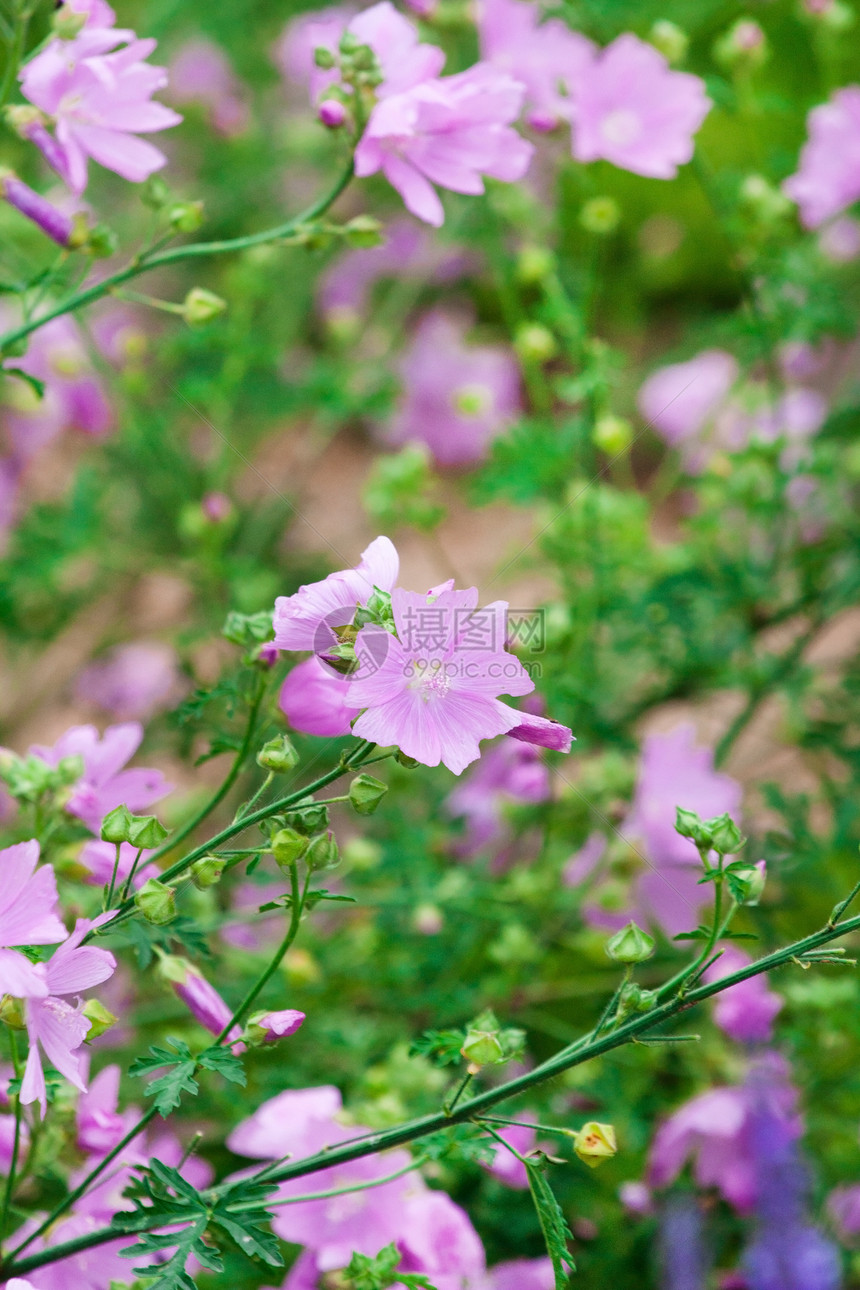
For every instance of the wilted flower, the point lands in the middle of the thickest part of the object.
(632, 109)
(828, 179)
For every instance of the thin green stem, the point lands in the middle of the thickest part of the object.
(252, 801)
(460, 1090)
(112, 883)
(22, 20)
(126, 887)
(16, 1144)
(484, 1124)
(335, 1191)
(148, 260)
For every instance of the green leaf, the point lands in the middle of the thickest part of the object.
(556, 1232)
(366, 1273)
(225, 1062)
(37, 386)
(700, 934)
(441, 1046)
(167, 1090)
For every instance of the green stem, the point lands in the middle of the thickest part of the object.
(126, 887)
(146, 261)
(22, 19)
(335, 1191)
(112, 883)
(507, 1146)
(16, 1143)
(252, 802)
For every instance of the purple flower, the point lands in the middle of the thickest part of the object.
(448, 131)
(104, 784)
(839, 240)
(433, 689)
(438, 1239)
(518, 1274)
(201, 73)
(200, 997)
(456, 398)
(745, 1011)
(843, 1207)
(27, 900)
(272, 1026)
(317, 700)
(135, 680)
(630, 108)
(682, 1253)
(293, 53)
(100, 1127)
(305, 620)
(680, 400)
(828, 179)
(505, 1165)
(99, 858)
(58, 226)
(298, 1122)
(52, 1022)
(542, 732)
(547, 57)
(99, 101)
(508, 772)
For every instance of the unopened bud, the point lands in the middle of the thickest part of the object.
(288, 846)
(534, 265)
(116, 825)
(612, 435)
(185, 217)
(206, 871)
(332, 113)
(363, 231)
(278, 755)
(307, 816)
(67, 24)
(157, 902)
(482, 1048)
(201, 306)
(600, 215)
(12, 1012)
(268, 1027)
(744, 45)
(323, 852)
(671, 40)
(535, 343)
(99, 1017)
(324, 58)
(688, 824)
(725, 836)
(365, 794)
(146, 832)
(594, 1143)
(630, 945)
(747, 884)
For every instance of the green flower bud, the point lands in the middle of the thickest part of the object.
(687, 823)
(630, 945)
(116, 825)
(288, 846)
(323, 852)
(278, 755)
(671, 40)
(201, 306)
(145, 832)
(157, 902)
(155, 194)
(747, 883)
(535, 343)
(12, 1012)
(99, 1017)
(185, 217)
(594, 1143)
(612, 435)
(600, 215)
(100, 241)
(324, 58)
(764, 199)
(206, 871)
(725, 836)
(743, 46)
(363, 230)
(365, 794)
(307, 816)
(534, 265)
(482, 1048)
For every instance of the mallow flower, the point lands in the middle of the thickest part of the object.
(828, 178)
(547, 57)
(745, 1011)
(307, 619)
(317, 700)
(28, 897)
(448, 131)
(631, 108)
(99, 98)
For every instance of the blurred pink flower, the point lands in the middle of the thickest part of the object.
(839, 240)
(505, 1165)
(843, 1206)
(28, 897)
(297, 1122)
(100, 1126)
(828, 178)
(437, 1238)
(135, 680)
(200, 72)
(316, 700)
(508, 772)
(745, 1011)
(456, 397)
(517, 1274)
(99, 101)
(432, 690)
(305, 620)
(546, 56)
(293, 52)
(99, 859)
(447, 131)
(680, 399)
(631, 108)
(104, 784)
(52, 1023)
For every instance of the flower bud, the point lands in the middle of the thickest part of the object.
(288, 846)
(482, 1048)
(185, 217)
(332, 113)
(743, 46)
(307, 816)
(689, 825)
(630, 945)
(201, 307)
(428, 919)
(157, 902)
(594, 1143)
(99, 1017)
(116, 825)
(12, 1012)
(67, 24)
(747, 884)
(268, 1027)
(206, 871)
(671, 40)
(534, 265)
(535, 343)
(612, 435)
(100, 241)
(764, 199)
(725, 836)
(408, 763)
(600, 215)
(324, 58)
(146, 832)
(278, 755)
(365, 794)
(323, 852)
(363, 230)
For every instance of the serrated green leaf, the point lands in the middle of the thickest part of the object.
(556, 1232)
(225, 1062)
(441, 1046)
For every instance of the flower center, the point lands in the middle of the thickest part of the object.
(621, 127)
(472, 400)
(429, 679)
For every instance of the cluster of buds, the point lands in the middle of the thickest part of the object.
(142, 831)
(719, 834)
(360, 75)
(29, 779)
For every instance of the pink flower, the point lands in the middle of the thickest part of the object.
(100, 100)
(839, 241)
(508, 772)
(679, 400)
(843, 1206)
(505, 1165)
(317, 700)
(828, 179)
(298, 1122)
(100, 1127)
(438, 1239)
(277, 1025)
(745, 1011)
(542, 732)
(201, 73)
(294, 51)
(27, 900)
(448, 132)
(546, 56)
(433, 689)
(200, 997)
(99, 858)
(630, 108)
(135, 680)
(104, 783)
(305, 620)
(456, 398)
(519, 1274)
(52, 1023)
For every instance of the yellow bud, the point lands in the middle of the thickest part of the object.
(595, 1143)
